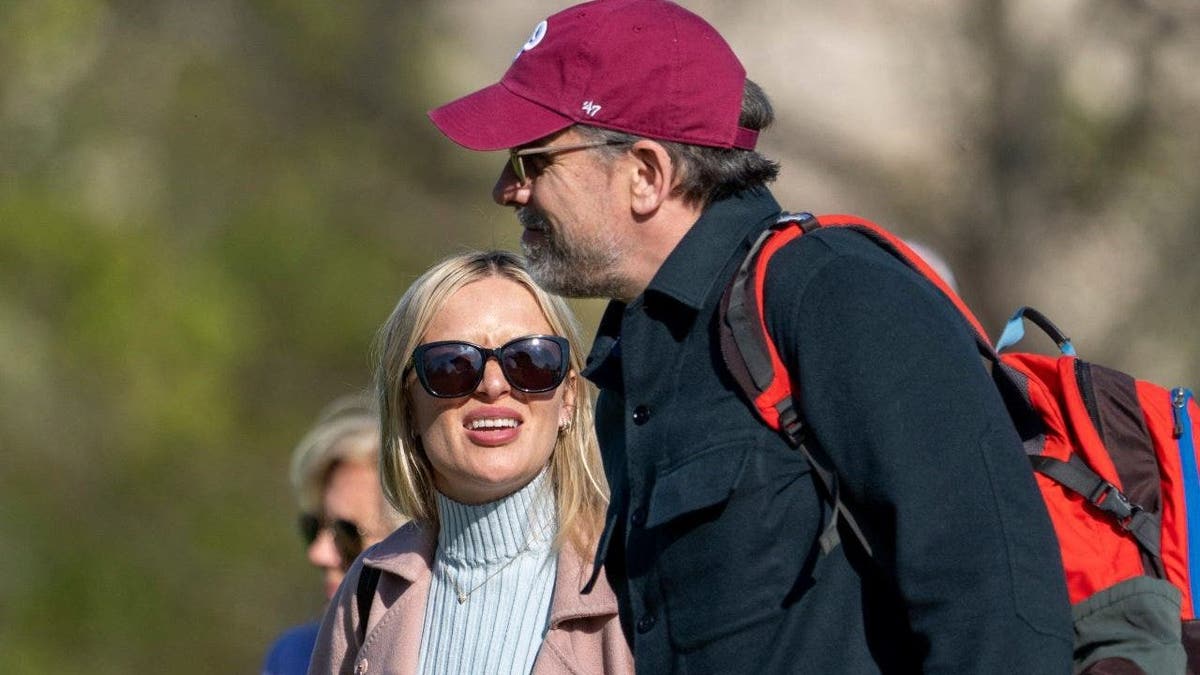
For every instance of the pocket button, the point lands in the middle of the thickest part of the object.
(645, 623)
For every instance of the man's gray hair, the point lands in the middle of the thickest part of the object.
(710, 173)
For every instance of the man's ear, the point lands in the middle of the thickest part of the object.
(654, 176)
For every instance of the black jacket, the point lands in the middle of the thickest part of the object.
(712, 536)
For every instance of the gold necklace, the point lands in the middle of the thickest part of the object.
(464, 595)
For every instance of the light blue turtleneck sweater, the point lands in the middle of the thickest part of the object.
(500, 554)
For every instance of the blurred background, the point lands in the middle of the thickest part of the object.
(207, 208)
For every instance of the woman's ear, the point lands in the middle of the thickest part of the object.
(566, 414)
(654, 176)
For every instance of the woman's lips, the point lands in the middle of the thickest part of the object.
(493, 426)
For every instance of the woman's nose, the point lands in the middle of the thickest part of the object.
(494, 384)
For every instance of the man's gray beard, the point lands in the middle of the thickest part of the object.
(570, 269)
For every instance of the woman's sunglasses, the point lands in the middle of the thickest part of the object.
(454, 368)
(347, 535)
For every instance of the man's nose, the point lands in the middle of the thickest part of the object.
(509, 191)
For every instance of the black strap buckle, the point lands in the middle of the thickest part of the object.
(1107, 497)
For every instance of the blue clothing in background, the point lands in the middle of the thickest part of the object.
(291, 651)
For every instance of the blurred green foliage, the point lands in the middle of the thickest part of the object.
(206, 210)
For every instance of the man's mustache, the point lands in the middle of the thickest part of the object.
(531, 219)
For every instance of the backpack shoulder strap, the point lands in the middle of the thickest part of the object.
(368, 581)
(754, 361)
(1075, 475)
(747, 347)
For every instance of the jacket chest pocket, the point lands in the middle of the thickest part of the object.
(732, 525)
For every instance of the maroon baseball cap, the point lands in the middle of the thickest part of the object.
(646, 67)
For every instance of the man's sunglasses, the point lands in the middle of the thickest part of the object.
(517, 157)
(347, 535)
(453, 368)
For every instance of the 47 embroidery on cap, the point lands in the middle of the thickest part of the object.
(590, 108)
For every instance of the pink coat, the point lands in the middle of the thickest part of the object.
(584, 637)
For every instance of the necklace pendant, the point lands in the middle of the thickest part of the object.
(462, 597)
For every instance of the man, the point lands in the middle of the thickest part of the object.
(632, 129)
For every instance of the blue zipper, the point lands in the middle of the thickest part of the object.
(1180, 396)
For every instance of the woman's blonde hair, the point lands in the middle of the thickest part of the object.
(575, 470)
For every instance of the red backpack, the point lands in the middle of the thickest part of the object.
(1114, 458)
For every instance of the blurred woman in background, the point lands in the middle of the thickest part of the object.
(488, 445)
(335, 477)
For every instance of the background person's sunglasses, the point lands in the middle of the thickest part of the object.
(453, 368)
(347, 535)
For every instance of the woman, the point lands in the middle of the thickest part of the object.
(335, 477)
(488, 446)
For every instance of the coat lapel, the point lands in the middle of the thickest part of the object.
(398, 611)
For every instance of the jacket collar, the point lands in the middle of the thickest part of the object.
(695, 265)
(408, 553)
(689, 273)
(569, 603)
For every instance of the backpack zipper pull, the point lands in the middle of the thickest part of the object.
(1178, 401)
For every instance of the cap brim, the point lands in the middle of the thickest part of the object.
(494, 118)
